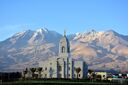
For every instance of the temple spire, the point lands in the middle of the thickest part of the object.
(64, 32)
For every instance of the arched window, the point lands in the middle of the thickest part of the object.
(63, 49)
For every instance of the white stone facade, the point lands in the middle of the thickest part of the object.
(63, 66)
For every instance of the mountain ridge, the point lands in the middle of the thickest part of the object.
(101, 50)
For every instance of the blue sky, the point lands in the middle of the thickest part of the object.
(72, 15)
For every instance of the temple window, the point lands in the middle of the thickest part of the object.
(63, 49)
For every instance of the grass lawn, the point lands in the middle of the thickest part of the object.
(57, 82)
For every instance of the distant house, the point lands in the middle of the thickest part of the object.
(102, 75)
(63, 66)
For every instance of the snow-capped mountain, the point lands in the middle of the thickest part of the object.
(26, 48)
(101, 50)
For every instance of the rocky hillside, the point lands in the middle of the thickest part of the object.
(101, 50)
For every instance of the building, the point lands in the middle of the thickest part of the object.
(102, 75)
(63, 66)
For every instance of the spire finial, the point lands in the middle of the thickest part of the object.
(64, 32)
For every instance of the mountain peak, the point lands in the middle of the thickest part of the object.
(41, 30)
(22, 33)
(19, 33)
(112, 31)
(92, 30)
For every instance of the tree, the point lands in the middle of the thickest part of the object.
(51, 71)
(77, 70)
(39, 71)
(25, 72)
(33, 71)
(91, 75)
(90, 71)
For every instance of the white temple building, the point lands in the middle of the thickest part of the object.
(63, 66)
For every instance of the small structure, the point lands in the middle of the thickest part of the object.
(101, 75)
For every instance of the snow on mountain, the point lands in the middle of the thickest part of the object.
(26, 48)
(101, 50)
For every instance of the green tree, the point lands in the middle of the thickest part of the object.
(51, 71)
(77, 70)
(39, 71)
(33, 71)
(90, 71)
(92, 75)
(25, 72)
